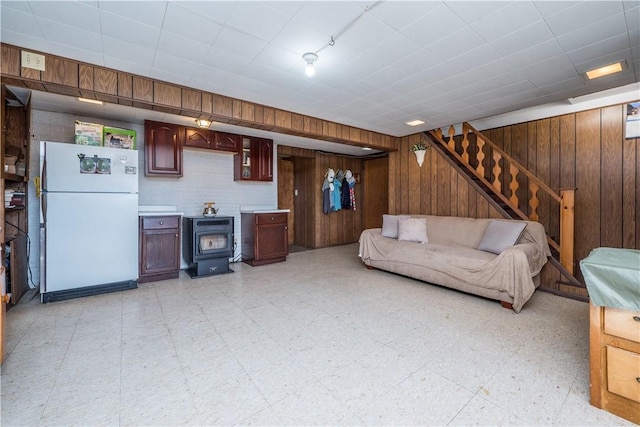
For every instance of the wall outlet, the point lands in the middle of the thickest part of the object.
(32, 60)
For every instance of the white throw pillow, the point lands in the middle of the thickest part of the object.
(501, 235)
(413, 230)
(390, 225)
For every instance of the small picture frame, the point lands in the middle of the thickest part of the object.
(632, 127)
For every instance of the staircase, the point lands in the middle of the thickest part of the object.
(513, 191)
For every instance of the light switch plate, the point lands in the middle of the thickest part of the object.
(32, 60)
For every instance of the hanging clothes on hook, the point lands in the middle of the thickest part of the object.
(350, 183)
(328, 187)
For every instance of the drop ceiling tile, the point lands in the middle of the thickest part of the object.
(530, 35)
(417, 62)
(503, 79)
(393, 48)
(66, 35)
(166, 64)
(224, 60)
(22, 6)
(299, 37)
(407, 85)
(74, 14)
(19, 22)
(491, 69)
(520, 86)
(535, 54)
(484, 54)
(275, 77)
(181, 47)
(216, 11)
(436, 25)
(190, 25)
(384, 76)
(274, 56)
(589, 34)
(24, 40)
(91, 55)
(239, 43)
(328, 16)
(400, 14)
(120, 63)
(458, 43)
(563, 85)
(548, 8)
(471, 11)
(434, 74)
(507, 20)
(597, 50)
(289, 8)
(257, 19)
(121, 28)
(549, 72)
(366, 32)
(582, 14)
(206, 75)
(146, 12)
(362, 66)
(126, 51)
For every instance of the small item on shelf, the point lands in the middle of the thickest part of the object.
(209, 210)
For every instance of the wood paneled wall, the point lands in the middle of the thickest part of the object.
(73, 78)
(433, 189)
(585, 150)
(343, 226)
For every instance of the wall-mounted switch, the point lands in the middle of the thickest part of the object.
(32, 60)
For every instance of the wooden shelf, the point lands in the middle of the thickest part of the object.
(13, 177)
(14, 208)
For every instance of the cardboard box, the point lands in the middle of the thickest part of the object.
(119, 138)
(10, 160)
(88, 133)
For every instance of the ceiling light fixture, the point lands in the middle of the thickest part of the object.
(605, 71)
(203, 123)
(415, 123)
(91, 101)
(310, 57)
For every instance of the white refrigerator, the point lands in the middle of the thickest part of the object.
(88, 220)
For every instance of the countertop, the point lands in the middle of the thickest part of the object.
(256, 211)
(158, 210)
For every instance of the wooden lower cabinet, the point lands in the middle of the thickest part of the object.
(614, 349)
(265, 238)
(159, 248)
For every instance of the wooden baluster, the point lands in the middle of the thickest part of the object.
(513, 185)
(480, 156)
(465, 143)
(534, 202)
(497, 184)
(452, 143)
(567, 228)
(439, 133)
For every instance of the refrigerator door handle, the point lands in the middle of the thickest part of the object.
(43, 207)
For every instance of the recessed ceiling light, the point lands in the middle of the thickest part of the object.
(605, 71)
(91, 101)
(367, 148)
(415, 122)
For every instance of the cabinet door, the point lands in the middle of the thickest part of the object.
(265, 160)
(163, 149)
(227, 142)
(160, 251)
(199, 138)
(271, 241)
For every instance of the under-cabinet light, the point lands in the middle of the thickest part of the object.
(91, 101)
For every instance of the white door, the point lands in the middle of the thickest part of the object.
(90, 239)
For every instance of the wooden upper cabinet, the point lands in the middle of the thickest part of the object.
(198, 138)
(228, 142)
(163, 149)
(255, 161)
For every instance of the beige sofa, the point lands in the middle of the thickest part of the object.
(460, 255)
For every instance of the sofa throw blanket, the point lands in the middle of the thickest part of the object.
(460, 266)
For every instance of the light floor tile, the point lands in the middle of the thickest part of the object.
(284, 344)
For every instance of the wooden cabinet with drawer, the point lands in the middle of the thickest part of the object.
(615, 361)
(159, 248)
(265, 238)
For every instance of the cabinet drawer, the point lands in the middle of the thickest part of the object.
(271, 218)
(622, 323)
(623, 373)
(160, 222)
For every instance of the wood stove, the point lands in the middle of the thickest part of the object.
(208, 244)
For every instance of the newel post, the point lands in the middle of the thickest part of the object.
(567, 197)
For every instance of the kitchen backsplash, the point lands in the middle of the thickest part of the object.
(207, 177)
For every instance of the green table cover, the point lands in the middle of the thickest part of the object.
(612, 276)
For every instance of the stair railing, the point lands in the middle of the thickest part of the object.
(509, 171)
